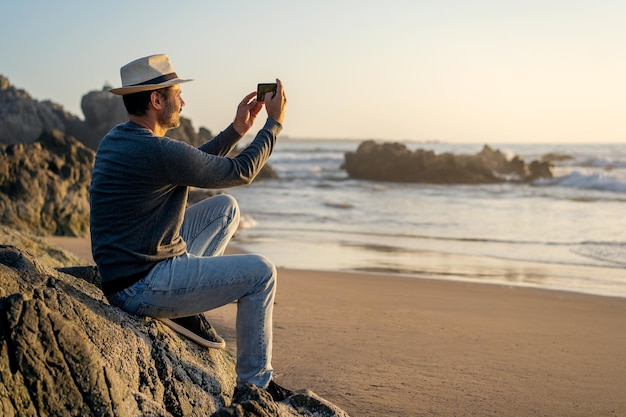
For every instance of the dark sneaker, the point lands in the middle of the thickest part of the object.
(198, 329)
(277, 392)
(248, 392)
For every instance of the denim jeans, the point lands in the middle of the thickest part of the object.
(202, 279)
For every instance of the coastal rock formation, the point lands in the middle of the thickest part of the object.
(23, 119)
(395, 162)
(44, 186)
(104, 110)
(65, 351)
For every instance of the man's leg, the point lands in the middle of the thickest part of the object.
(197, 282)
(209, 225)
(207, 228)
(189, 285)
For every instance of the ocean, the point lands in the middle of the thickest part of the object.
(566, 233)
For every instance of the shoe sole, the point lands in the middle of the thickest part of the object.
(191, 335)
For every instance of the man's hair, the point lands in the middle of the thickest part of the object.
(137, 103)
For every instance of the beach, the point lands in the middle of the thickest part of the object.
(377, 344)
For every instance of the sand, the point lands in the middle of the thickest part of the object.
(379, 345)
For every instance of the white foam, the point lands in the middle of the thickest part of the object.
(579, 180)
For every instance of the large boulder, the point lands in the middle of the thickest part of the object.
(23, 119)
(104, 110)
(44, 186)
(395, 162)
(64, 351)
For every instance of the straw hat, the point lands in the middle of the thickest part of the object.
(147, 73)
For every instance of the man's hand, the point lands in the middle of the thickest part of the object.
(275, 105)
(247, 111)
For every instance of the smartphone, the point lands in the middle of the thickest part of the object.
(264, 88)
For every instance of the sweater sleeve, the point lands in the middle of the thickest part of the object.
(186, 165)
(223, 143)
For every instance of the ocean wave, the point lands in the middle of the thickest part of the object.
(594, 162)
(613, 252)
(576, 179)
(394, 236)
(247, 222)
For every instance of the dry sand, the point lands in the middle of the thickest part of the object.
(379, 345)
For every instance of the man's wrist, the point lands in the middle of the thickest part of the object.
(241, 131)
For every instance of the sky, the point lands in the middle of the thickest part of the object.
(488, 71)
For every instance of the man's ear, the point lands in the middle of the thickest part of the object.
(156, 100)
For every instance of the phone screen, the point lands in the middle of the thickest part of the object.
(264, 88)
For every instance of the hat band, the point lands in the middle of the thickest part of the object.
(158, 80)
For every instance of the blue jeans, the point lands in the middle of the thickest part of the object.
(202, 280)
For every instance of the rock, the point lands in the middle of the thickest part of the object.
(250, 401)
(104, 110)
(23, 119)
(65, 351)
(556, 157)
(44, 186)
(38, 247)
(539, 169)
(395, 162)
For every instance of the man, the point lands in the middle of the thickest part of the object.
(155, 257)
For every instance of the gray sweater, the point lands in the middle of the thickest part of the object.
(139, 189)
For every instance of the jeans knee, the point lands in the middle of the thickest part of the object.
(228, 201)
(268, 268)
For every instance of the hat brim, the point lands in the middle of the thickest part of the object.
(145, 87)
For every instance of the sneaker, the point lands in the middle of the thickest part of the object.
(277, 392)
(198, 329)
(248, 392)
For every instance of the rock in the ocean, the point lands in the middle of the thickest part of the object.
(395, 162)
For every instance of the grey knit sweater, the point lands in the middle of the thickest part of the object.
(139, 189)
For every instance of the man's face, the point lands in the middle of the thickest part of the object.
(169, 116)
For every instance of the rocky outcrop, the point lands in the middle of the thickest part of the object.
(44, 186)
(104, 110)
(64, 351)
(23, 119)
(395, 162)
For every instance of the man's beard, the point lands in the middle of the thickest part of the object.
(170, 118)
